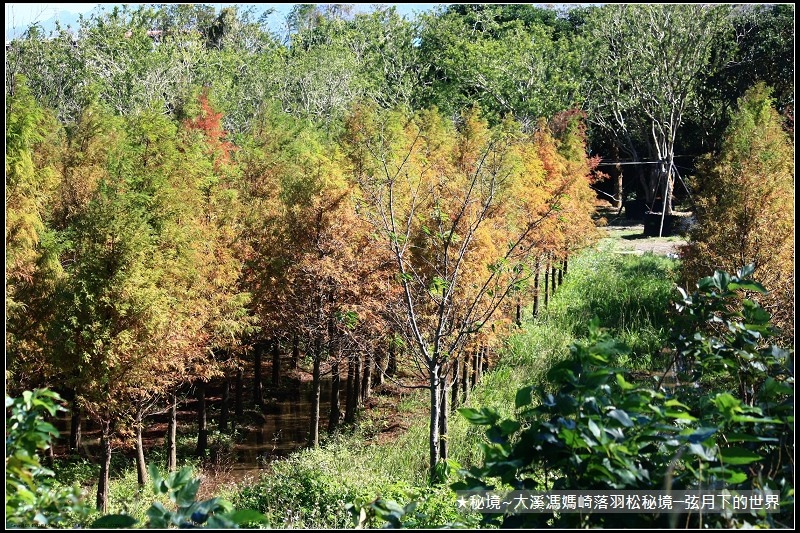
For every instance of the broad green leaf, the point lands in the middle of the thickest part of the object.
(721, 280)
(595, 429)
(675, 403)
(621, 417)
(736, 455)
(114, 521)
(755, 420)
(729, 476)
(748, 285)
(700, 435)
(746, 437)
(509, 427)
(523, 397)
(247, 516)
(679, 415)
(624, 385)
(702, 452)
(187, 493)
(480, 417)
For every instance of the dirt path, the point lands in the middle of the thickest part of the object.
(627, 235)
(629, 238)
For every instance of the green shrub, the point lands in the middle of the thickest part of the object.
(32, 497)
(594, 429)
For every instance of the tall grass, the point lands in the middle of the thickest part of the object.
(629, 294)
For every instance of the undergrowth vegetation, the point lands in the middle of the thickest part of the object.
(631, 296)
(355, 477)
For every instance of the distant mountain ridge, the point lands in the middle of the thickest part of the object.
(64, 17)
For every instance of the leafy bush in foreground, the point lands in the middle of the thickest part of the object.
(599, 431)
(33, 499)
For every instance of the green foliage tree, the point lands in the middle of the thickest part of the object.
(745, 206)
(149, 285)
(757, 44)
(647, 61)
(33, 142)
(510, 60)
(243, 69)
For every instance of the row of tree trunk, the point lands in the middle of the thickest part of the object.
(548, 276)
(364, 370)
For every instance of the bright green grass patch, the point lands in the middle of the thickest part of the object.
(629, 294)
(311, 488)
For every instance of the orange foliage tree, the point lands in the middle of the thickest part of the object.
(305, 263)
(745, 207)
(462, 210)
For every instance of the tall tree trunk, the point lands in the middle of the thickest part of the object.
(536, 288)
(546, 277)
(476, 365)
(335, 354)
(258, 392)
(391, 365)
(202, 420)
(172, 446)
(669, 184)
(224, 412)
(485, 360)
(561, 273)
(378, 367)
(466, 375)
(444, 413)
(141, 466)
(553, 270)
(105, 466)
(295, 351)
(433, 436)
(333, 419)
(238, 402)
(276, 362)
(75, 426)
(313, 434)
(366, 377)
(565, 264)
(618, 192)
(518, 318)
(357, 382)
(455, 384)
(350, 391)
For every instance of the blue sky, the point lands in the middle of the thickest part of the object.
(25, 14)
(22, 15)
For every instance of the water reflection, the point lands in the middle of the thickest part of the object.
(280, 428)
(284, 426)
